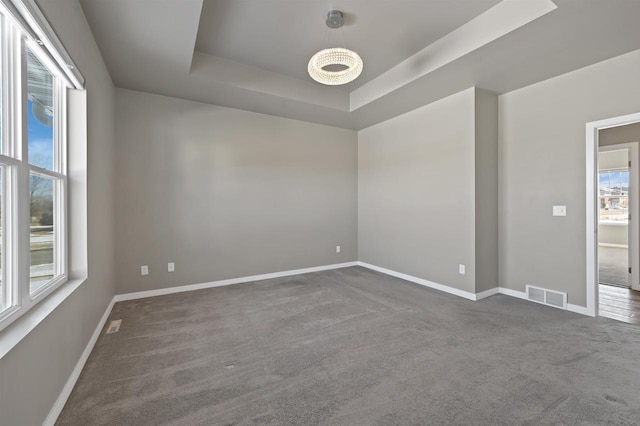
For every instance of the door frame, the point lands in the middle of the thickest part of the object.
(592, 205)
(633, 233)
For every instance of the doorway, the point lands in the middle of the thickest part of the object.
(617, 231)
(616, 205)
(613, 232)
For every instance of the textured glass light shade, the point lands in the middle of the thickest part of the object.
(335, 56)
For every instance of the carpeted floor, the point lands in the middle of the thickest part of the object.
(355, 347)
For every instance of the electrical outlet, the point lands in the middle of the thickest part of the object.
(171, 267)
(337, 249)
(144, 270)
(461, 269)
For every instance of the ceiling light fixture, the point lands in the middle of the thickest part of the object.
(321, 63)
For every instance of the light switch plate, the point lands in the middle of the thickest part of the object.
(559, 210)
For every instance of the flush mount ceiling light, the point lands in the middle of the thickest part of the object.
(322, 65)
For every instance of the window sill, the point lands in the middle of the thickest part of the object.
(14, 333)
(614, 223)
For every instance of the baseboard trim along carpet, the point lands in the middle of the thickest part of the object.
(522, 295)
(431, 284)
(75, 374)
(231, 281)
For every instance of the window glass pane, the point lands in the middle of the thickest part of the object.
(614, 196)
(604, 183)
(42, 231)
(624, 182)
(614, 179)
(614, 209)
(40, 113)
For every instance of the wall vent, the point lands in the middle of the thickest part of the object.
(114, 326)
(548, 297)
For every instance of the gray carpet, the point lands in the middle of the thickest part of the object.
(355, 347)
(614, 265)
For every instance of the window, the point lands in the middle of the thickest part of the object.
(614, 196)
(33, 181)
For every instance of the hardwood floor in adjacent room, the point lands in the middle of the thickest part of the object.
(620, 303)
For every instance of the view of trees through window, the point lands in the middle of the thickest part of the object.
(41, 188)
(614, 196)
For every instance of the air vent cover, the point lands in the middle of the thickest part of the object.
(548, 297)
(535, 294)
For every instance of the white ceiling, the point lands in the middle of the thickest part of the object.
(252, 54)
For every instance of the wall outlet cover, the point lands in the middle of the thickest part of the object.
(461, 269)
(559, 210)
(144, 270)
(171, 267)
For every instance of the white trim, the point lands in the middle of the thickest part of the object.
(582, 310)
(522, 295)
(514, 293)
(422, 281)
(613, 245)
(592, 129)
(467, 295)
(29, 18)
(75, 374)
(231, 281)
(487, 293)
(23, 324)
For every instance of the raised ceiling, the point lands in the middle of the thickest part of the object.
(252, 54)
(281, 35)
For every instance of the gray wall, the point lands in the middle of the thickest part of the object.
(35, 371)
(620, 134)
(613, 234)
(613, 159)
(226, 193)
(486, 168)
(542, 163)
(416, 192)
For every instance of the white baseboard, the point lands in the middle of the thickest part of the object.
(578, 309)
(422, 281)
(73, 378)
(513, 293)
(467, 295)
(522, 295)
(487, 293)
(220, 283)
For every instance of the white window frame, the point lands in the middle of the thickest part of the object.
(16, 171)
